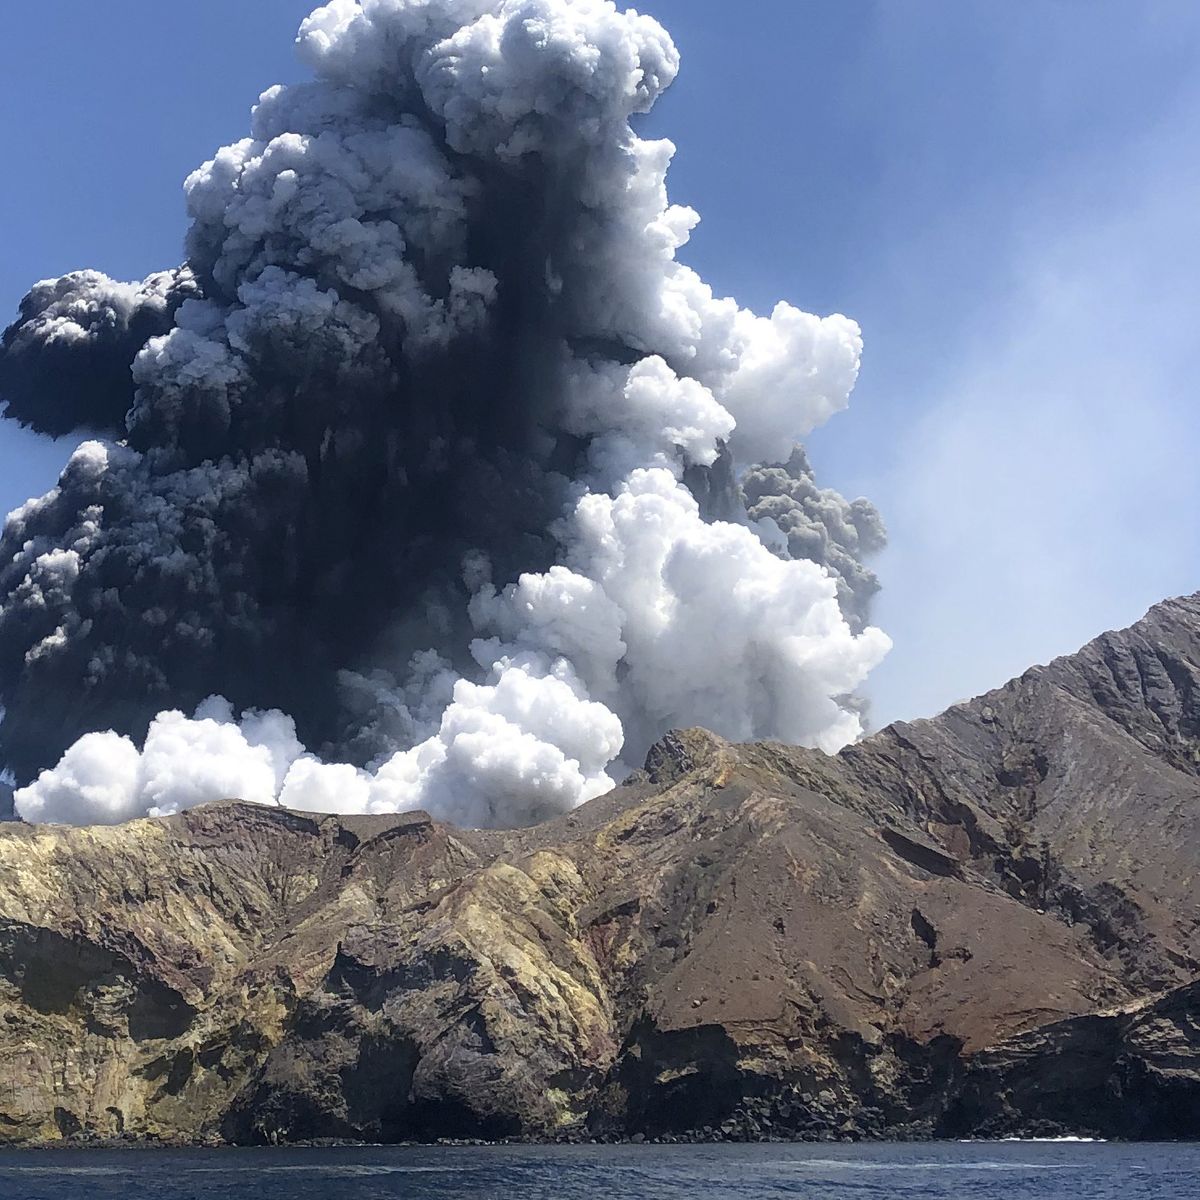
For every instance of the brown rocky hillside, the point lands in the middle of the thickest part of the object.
(986, 923)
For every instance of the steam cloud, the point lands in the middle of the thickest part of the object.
(434, 446)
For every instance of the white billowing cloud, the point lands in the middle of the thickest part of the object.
(780, 377)
(673, 621)
(184, 762)
(516, 750)
(507, 82)
(270, 735)
(643, 415)
(794, 372)
(314, 786)
(95, 783)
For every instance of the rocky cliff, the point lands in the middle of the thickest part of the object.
(985, 923)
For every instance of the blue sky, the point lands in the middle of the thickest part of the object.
(1006, 197)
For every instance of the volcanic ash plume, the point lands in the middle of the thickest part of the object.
(434, 446)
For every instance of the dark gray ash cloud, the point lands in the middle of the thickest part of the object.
(428, 459)
(821, 525)
(65, 361)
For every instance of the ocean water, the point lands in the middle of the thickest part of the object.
(959, 1171)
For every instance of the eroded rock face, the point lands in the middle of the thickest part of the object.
(985, 923)
(1130, 1073)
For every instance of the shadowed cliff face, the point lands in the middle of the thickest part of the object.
(981, 923)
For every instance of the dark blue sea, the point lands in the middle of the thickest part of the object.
(959, 1171)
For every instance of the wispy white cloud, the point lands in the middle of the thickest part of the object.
(1050, 489)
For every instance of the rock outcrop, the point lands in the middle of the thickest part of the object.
(982, 924)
